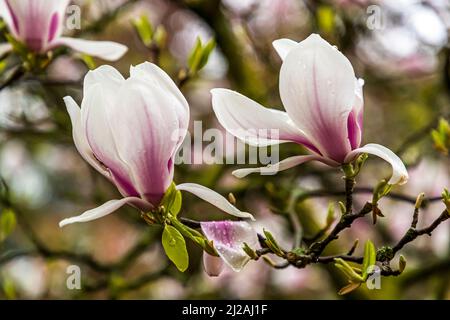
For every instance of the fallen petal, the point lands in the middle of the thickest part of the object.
(228, 238)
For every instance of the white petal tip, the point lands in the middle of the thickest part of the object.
(219, 91)
(64, 223)
(247, 215)
(240, 173)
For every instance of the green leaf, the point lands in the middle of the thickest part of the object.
(349, 288)
(18, 46)
(9, 289)
(401, 263)
(172, 200)
(145, 29)
(325, 18)
(360, 162)
(249, 251)
(381, 190)
(160, 37)
(342, 207)
(195, 56)
(7, 223)
(348, 270)
(330, 214)
(88, 61)
(175, 247)
(176, 205)
(370, 257)
(206, 52)
(272, 244)
(446, 199)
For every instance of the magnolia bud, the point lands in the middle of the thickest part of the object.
(213, 265)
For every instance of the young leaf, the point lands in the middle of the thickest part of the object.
(349, 288)
(348, 270)
(370, 256)
(272, 244)
(206, 52)
(401, 263)
(88, 61)
(325, 18)
(195, 56)
(7, 223)
(249, 251)
(175, 247)
(446, 199)
(342, 207)
(172, 200)
(160, 37)
(176, 205)
(330, 214)
(144, 29)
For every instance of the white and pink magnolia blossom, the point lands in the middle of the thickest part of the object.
(324, 110)
(228, 238)
(39, 25)
(130, 130)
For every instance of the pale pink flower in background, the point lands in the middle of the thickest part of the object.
(39, 25)
(347, 3)
(324, 110)
(409, 38)
(29, 276)
(130, 130)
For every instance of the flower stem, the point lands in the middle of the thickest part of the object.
(192, 234)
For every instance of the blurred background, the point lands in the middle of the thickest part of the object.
(400, 49)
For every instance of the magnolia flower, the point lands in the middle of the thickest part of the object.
(130, 130)
(39, 25)
(228, 238)
(408, 38)
(324, 104)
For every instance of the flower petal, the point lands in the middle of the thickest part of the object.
(146, 124)
(355, 118)
(79, 136)
(213, 265)
(399, 172)
(253, 123)
(317, 87)
(285, 164)
(106, 50)
(96, 114)
(108, 78)
(284, 46)
(214, 198)
(154, 76)
(105, 209)
(36, 22)
(228, 238)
